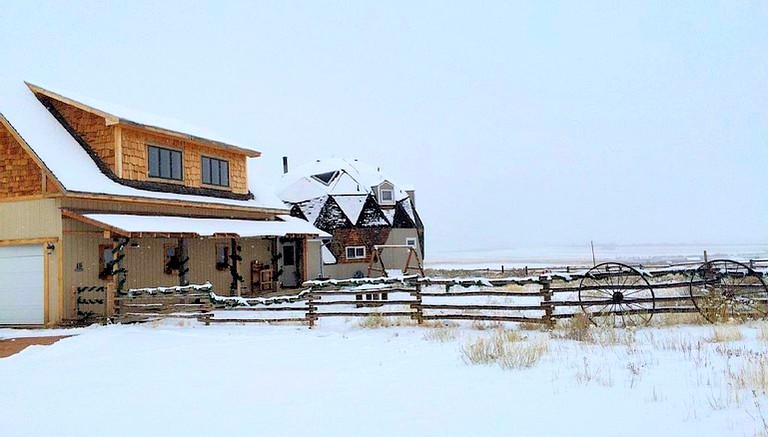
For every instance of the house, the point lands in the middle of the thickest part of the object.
(361, 208)
(98, 199)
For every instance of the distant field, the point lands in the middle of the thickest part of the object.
(551, 256)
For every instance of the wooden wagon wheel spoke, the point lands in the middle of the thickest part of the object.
(631, 298)
(725, 288)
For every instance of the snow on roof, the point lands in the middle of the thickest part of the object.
(389, 214)
(353, 177)
(206, 227)
(351, 205)
(136, 116)
(311, 208)
(408, 208)
(70, 163)
(328, 257)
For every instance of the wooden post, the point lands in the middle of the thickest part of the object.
(109, 301)
(705, 256)
(311, 309)
(183, 262)
(546, 302)
(419, 309)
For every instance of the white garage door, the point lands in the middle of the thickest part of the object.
(21, 285)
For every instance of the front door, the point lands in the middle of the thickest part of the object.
(289, 277)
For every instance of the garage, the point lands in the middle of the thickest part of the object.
(21, 285)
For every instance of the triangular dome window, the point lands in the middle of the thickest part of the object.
(326, 178)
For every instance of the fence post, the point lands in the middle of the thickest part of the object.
(311, 309)
(419, 310)
(547, 299)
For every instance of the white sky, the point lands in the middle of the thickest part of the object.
(518, 122)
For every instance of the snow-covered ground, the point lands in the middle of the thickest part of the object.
(183, 378)
(539, 256)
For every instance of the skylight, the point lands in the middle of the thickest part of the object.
(326, 178)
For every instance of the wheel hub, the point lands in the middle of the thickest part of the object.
(618, 297)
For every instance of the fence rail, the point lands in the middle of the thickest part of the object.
(606, 293)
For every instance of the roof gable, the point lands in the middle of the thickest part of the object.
(371, 215)
(70, 166)
(115, 114)
(331, 216)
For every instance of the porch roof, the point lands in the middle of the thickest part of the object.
(165, 226)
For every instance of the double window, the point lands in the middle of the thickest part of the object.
(215, 172)
(355, 252)
(164, 163)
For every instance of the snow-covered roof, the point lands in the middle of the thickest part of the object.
(351, 205)
(71, 164)
(129, 115)
(345, 177)
(206, 227)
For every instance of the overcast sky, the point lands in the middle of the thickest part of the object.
(517, 122)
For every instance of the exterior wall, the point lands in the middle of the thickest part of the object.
(37, 220)
(394, 259)
(27, 219)
(367, 237)
(134, 144)
(345, 271)
(202, 261)
(19, 174)
(145, 261)
(92, 128)
(314, 261)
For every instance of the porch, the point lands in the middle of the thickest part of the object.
(120, 252)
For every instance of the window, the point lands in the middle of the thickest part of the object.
(164, 163)
(355, 252)
(215, 171)
(222, 256)
(410, 242)
(172, 259)
(289, 255)
(326, 178)
(387, 195)
(106, 265)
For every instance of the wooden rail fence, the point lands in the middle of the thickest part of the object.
(542, 299)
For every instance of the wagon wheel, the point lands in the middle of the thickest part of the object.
(724, 289)
(615, 294)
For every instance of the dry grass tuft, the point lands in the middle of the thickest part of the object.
(677, 319)
(577, 328)
(441, 335)
(724, 334)
(376, 320)
(506, 349)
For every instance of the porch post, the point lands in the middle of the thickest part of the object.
(118, 256)
(235, 258)
(183, 262)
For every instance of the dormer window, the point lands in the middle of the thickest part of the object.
(387, 196)
(164, 163)
(386, 193)
(215, 172)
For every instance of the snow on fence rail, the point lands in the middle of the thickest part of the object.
(610, 293)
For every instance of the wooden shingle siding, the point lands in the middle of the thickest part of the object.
(92, 128)
(135, 159)
(19, 174)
